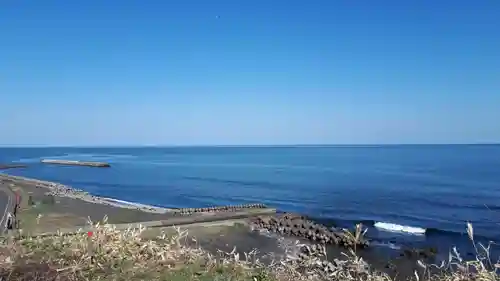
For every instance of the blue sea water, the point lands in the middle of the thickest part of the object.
(436, 187)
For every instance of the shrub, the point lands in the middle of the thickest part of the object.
(110, 254)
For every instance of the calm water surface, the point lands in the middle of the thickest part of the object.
(438, 188)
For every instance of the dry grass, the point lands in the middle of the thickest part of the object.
(111, 254)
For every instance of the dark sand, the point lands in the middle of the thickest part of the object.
(226, 236)
(272, 246)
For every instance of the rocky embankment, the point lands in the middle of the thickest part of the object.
(313, 255)
(215, 209)
(60, 190)
(299, 226)
(321, 237)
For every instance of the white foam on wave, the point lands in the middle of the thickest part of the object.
(128, 203)
(392, 227)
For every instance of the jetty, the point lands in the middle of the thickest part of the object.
(11, 166)
(76, 163)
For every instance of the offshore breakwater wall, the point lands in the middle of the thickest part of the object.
(76, 163)
(11, 166)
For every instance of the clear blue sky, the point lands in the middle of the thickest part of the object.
(249, 72)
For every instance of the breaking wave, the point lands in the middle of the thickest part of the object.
(392, 227)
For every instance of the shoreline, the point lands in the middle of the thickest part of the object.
(295, 227)
(61, 190)
(47, 207)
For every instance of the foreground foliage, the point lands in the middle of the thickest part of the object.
(111, 254)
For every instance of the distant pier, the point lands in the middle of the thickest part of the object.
(76, 163)
(11, 166)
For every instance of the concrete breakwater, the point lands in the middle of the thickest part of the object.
(11, 166)
(300, 226)
(75, 163)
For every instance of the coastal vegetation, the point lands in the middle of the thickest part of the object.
(110, 251)
(107, 253)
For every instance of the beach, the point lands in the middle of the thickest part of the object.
(72, 209)
(61, 190)
(49, 207)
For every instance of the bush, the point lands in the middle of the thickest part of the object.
(111, 254)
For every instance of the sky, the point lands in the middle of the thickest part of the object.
(249, 72)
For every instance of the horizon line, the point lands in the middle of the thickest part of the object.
(245, 145)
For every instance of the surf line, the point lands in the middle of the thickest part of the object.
(392, 227)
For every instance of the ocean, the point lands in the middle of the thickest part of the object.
(430, 191)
